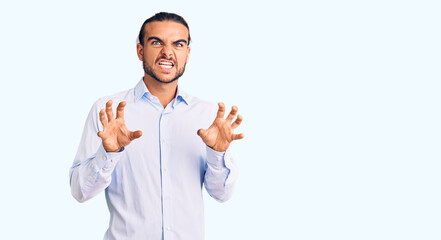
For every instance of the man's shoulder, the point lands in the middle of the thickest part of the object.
(122, 96)
(203, 106)
(199, 102)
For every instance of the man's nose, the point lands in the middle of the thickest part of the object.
(167, 50)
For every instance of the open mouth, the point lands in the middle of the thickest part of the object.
(165, 64)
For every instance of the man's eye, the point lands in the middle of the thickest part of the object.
(156, 43)
(179, 45)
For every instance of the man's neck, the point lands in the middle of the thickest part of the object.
(165, 92)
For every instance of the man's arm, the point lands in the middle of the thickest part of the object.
(99, 151)
(221, 171)
(220, 175)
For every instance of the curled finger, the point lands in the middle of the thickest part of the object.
(103, 118)
(120, 110)
(237, 122)
(232, 114)
(221, 111)
(109, 111)
(238, 136)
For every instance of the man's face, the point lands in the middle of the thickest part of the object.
(165, 51)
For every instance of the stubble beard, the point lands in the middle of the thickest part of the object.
(149, 71)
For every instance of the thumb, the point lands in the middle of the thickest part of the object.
(135, 134)
(202, 133)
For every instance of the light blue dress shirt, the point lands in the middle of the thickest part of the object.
(153, 186)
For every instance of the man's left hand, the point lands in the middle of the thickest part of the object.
(220, 134)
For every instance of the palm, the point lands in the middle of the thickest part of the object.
(221, 133)
(115, 134)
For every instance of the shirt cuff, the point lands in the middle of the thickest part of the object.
(224, 161)
(218, 159)
(104, 160)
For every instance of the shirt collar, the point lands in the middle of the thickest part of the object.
(181, 96)
(141, 90)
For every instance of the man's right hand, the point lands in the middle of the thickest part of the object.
(115, 134)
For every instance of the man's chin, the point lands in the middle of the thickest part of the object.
(167, 79)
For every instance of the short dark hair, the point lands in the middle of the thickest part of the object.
(163, 16)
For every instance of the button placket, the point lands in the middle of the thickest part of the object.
(166, 187)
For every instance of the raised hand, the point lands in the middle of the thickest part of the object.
(115, 134)
(220, 134)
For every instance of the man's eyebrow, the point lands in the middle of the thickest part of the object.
(154, 38)
(181, 40)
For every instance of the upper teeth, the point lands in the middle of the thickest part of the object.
(165, 63)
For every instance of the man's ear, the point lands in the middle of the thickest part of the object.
(188, 53)
(140, 51)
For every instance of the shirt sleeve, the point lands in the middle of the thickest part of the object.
(92, 168)
(220, 175)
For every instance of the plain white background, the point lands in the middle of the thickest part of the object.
(341, 105)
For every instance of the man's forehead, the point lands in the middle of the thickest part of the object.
(166, 29)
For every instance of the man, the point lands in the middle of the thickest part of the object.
(153, 176)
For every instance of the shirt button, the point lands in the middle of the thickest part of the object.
(151, 97)
(166, 198)
(168, 228)
(105, 158)
(165, 169)
(163, 140)
(113, 160)
(219, 159)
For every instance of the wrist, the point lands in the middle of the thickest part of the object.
(114, 151)
(218, 149)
